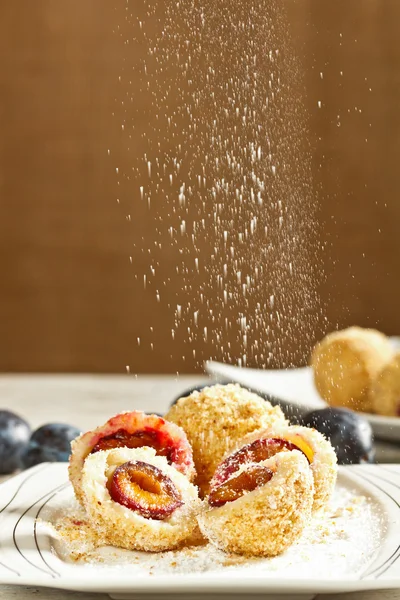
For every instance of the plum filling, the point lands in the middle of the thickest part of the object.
(256, 452)
(151, 438)
(246, 481)
(145, 489)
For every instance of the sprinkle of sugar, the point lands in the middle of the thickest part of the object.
(233, 176)
(341, 542)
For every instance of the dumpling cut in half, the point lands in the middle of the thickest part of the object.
(315, 447)
(259, 509)
(134, 429)
(137, 500)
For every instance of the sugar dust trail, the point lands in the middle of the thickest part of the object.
(220, 180)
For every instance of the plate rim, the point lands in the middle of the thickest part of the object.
(80, 578)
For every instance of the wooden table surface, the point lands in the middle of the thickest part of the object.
(87, 401)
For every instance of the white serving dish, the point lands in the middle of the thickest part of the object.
(28, 556)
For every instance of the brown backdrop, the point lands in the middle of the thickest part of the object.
(71, 299)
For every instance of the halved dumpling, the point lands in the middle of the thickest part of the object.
(132, 430)
(261, 508)
(137, 500)
(315, 447)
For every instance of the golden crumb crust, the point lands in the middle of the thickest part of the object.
(323, 460)
(266, 521)
(385, 391)
(130, 422)
(117, 525)
(216, 418)
(345, 363)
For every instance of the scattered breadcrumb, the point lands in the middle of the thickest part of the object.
(343, 540)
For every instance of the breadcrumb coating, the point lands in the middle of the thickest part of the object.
(266, 521)
(385, 390)
(323, 464)
(345, 363)
(117, 525)
(131, 422)
(216, 418)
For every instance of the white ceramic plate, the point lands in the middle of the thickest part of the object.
(295, 387)
(28, 555)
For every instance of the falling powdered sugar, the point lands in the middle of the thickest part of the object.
(222, 184)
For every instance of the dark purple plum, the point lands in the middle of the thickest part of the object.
(49, 443)
(34, 455)
(55, 435)
(349, 433)
(14, 436)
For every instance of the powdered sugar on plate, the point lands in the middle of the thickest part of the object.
(341, 542)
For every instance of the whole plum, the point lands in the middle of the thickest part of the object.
(14, 436)
(349, 433)
(49, 443)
